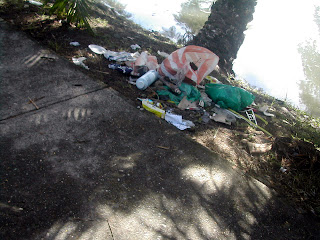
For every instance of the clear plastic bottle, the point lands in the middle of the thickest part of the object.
(147, 79)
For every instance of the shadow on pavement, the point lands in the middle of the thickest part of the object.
(125, 176)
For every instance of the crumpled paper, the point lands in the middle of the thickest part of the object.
(178, 122)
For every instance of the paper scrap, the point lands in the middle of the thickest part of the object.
(178, 122)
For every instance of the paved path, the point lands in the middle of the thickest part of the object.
(87, 165)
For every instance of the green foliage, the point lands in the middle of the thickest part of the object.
(171, 32)
(15, 3)
(119, 7)
(74, 11)
(310, 89)
(193, 15)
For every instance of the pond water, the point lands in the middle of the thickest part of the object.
(281, 51)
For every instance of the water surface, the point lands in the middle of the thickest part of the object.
(281, 51)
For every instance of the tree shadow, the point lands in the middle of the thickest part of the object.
(119, 179)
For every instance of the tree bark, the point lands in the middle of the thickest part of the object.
(223, 33)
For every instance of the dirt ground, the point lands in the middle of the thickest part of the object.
(291, 166)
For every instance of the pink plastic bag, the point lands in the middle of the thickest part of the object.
(190, 63)
(145, 61)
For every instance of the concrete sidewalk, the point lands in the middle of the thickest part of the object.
(87, 165)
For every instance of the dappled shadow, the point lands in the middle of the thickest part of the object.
(94, 167)
(139, 181)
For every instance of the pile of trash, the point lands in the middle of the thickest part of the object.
(179, 79)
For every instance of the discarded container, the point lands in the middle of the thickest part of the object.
(149, 106)
(147, 79)
(97, 49)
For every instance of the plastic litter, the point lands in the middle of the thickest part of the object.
(251, 116)
(227, 96)
(147, 79)
(36, 3)
(135, 46)
(76, 44)
(120, 56)
(173, 87)
(188, 90)
(205, 117)
(212, 79)
(264, 109)
(151, 107)
(283, 170)
(177, 121)
(79, 61)
(190, 64)
(251, 123)
(223, 116)
(122, 69)
(97, 49)
(186, 104)
(207, 101)
(144, 63)
(132, 81)
(163, 54)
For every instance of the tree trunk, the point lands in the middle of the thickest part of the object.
(223, 33)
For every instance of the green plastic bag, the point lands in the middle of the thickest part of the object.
(190, 91)
(227, 96)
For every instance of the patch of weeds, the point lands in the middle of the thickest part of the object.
(99, 22)
(274, 162)
(54, 45)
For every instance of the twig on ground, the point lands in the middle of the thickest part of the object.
(167, 148)
(34, 104)
(101, 72)
(110, 229)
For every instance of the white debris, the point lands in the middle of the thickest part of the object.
(135, 46)
(283, 170)
(163, 54)
(79, 62)
(178, 122)
(76, 44)
(264, 109)
(97, 49)
(36, 3)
